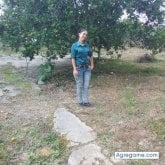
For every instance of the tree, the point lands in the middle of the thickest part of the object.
(107, 30)
(101, 19)
(30, 26)
(146, 34)
(155, 40)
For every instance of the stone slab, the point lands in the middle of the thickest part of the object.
(76, 131)
(89, 154)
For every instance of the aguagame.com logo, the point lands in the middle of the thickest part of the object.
(136, 155)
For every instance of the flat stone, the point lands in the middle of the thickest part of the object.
(88, 155)
(117, 161)
(4, 100)
(2, 82)
(40, 82)
(1, 92)
(11, 90)
(36, 87)
(76, 131)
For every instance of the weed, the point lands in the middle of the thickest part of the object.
(129, 101)
(48, 147)
(4, 156)
(10, 75)
(158, 126)
(139, 162)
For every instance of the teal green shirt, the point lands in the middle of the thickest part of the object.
(81, 53)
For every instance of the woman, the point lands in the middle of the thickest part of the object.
(82, 62)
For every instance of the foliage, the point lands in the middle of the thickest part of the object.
(145, 36)
(107, 30)
(28, 26)
(155, 40)
(146, 58)
(45, 72)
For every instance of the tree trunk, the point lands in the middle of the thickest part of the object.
(99, 53)
(27, 66)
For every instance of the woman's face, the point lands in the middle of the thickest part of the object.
(83, 35)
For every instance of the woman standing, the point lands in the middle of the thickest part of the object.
(82, 62)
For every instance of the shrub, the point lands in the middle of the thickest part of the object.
(45, 72)
(146, 58)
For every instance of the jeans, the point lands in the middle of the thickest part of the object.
(82, 83)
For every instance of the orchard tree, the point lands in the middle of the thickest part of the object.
(101, 19)
(30, 26)
(106, 29)
(155, 40)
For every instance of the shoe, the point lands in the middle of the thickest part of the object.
(87, 104)
(81, 104)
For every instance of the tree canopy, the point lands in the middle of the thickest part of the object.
(31, 25)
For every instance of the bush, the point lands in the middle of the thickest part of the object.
(45, 72)
(146, 58)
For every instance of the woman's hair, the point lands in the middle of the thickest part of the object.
(82, 30)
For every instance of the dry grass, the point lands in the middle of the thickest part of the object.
(129, 104)
(127, 113)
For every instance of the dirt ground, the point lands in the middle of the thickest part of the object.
(128, 111)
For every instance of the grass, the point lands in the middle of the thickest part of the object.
(129, 101)
(47, 149)
(38, 143)
(162, 103)
(162, 88)
(63, 77)
(117, 106)
(158, 127)
(129, 98)
(10, 75)
(124, 67)
(139, 162)
(107, 134)
(40, 147)
(126, 95)
(4, 155)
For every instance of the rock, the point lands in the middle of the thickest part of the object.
(75, 130)
(1, 93)
(4, 100)
(36, 87)
(117, 161)
(88, 155)
(2, 82)
(40, 82)
(11, 90)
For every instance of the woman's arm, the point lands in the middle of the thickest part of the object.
(74, 64)
(73, 56)
(91, 63)
(75, 72)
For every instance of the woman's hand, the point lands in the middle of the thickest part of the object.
(75, 72)
(91, 67)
